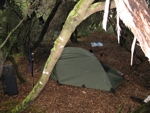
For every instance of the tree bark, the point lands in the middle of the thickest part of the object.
(136, 16)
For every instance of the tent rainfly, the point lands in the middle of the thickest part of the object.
(78, 67)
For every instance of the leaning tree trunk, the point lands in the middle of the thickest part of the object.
(81, 11)
(74, 18)
(136, 15)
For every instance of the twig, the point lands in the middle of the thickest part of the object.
(12, 31)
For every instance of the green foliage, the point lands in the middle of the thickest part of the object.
(45, 8)
(9, 18)
(24, 6)
(30, 29)
(40, 8)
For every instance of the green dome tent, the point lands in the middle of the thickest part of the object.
(79, 67)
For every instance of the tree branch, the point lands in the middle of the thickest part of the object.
(99, 6)
(12, 31)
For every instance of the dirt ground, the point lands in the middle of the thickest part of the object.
(56, 98)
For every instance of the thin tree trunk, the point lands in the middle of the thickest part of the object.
(21, 79)
(46, 25)
(1, 62)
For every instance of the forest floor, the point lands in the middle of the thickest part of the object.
(55, 98)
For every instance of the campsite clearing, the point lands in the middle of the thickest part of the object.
(57, 98)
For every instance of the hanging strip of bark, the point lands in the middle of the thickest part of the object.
(105, 17)
(118, 27)
(132, 49)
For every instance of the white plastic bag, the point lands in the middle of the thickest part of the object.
(96, 44)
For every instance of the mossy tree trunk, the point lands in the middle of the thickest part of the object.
(81, 11)
(75, 17)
